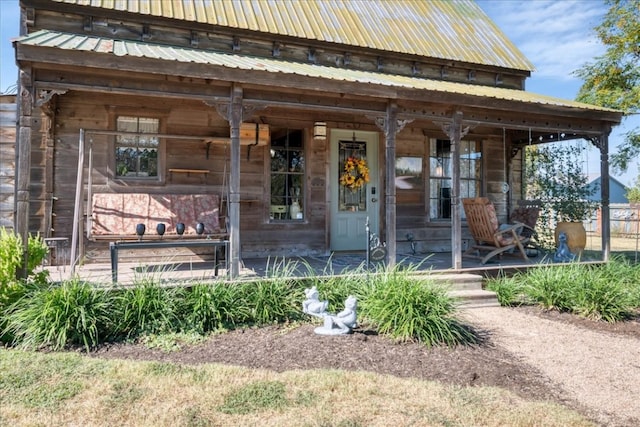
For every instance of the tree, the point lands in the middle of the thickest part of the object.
(613, 80)
(553, 176)
(633, 193)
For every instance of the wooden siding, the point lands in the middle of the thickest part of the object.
(259, 237)
(8, 120)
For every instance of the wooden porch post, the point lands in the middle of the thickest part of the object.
(235, 120)
(390, 130)
(456, 223)
(604, 195)
(23, 161)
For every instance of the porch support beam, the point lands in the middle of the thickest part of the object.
(456, 133)
(604, 194)
(390, 131)
(235, 120)
(23, 162)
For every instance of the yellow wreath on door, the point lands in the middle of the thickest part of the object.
(356, 173)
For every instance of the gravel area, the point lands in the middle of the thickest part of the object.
(597, 369)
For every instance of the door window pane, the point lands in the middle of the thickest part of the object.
(354, 176)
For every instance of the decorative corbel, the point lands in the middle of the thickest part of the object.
(447, 128)
(223, 109)
(596, 141)
(381, 121)
(45, 96)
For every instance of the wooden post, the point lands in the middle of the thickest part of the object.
(235, 120)
(23, 162)
(604, 195)
(455, 135)
(390, 131)
(77, 208)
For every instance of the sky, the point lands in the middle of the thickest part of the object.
(556, 35)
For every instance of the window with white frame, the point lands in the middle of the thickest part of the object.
(440, 175)
(136, 154)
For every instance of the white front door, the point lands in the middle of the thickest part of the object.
(353, 200)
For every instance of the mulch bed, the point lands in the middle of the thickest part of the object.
(289, 347)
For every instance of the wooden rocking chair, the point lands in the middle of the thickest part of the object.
(490, 237)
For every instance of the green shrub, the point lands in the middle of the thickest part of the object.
(210, 307)
(147, 308)
(269, 301)
(73, 312)
(10, 256)
(509, 290)
(599, 292)
(551, 287)
(11, 253)
(37, 250)
(410, 309)
(601, 299)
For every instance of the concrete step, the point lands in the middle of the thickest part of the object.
(476, 298)
(457, 281)
(465, 287)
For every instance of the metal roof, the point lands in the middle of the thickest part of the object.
(136, 49)
(456, 30)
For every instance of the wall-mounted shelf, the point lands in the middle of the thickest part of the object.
(202, 172)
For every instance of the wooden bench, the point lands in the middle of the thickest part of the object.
(115, 216)
(216, 244)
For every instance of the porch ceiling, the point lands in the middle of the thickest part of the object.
(62, 48)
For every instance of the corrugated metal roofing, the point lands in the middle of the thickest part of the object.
(455, 30)
(124, 48)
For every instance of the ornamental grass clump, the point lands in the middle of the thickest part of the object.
(609, 292)
(73, 312)
(604, 292)
(408, 308)
(274, 299)
(212, 307)
(147, 308)
(509, 290)
(551, 287)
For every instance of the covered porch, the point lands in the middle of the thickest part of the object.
(166, 270)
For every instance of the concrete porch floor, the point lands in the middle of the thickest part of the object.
(167, 270)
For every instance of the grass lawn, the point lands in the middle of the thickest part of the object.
(72, 389)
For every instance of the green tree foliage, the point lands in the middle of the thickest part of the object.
(613, 79)
(633, 193)
(553, 176)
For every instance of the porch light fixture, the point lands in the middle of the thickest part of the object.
(320, 130)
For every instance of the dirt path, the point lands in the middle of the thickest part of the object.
(597, 369)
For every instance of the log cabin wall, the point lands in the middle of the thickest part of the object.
(260, 237)
(76, 110)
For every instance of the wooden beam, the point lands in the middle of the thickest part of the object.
(23, 172)
(390, 132)
(605, 196)
(235, 122)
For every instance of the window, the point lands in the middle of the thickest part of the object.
(409, 186)
(137, 155)
(287, 175)
(440, 175)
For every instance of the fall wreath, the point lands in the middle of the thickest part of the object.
(356, 173)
